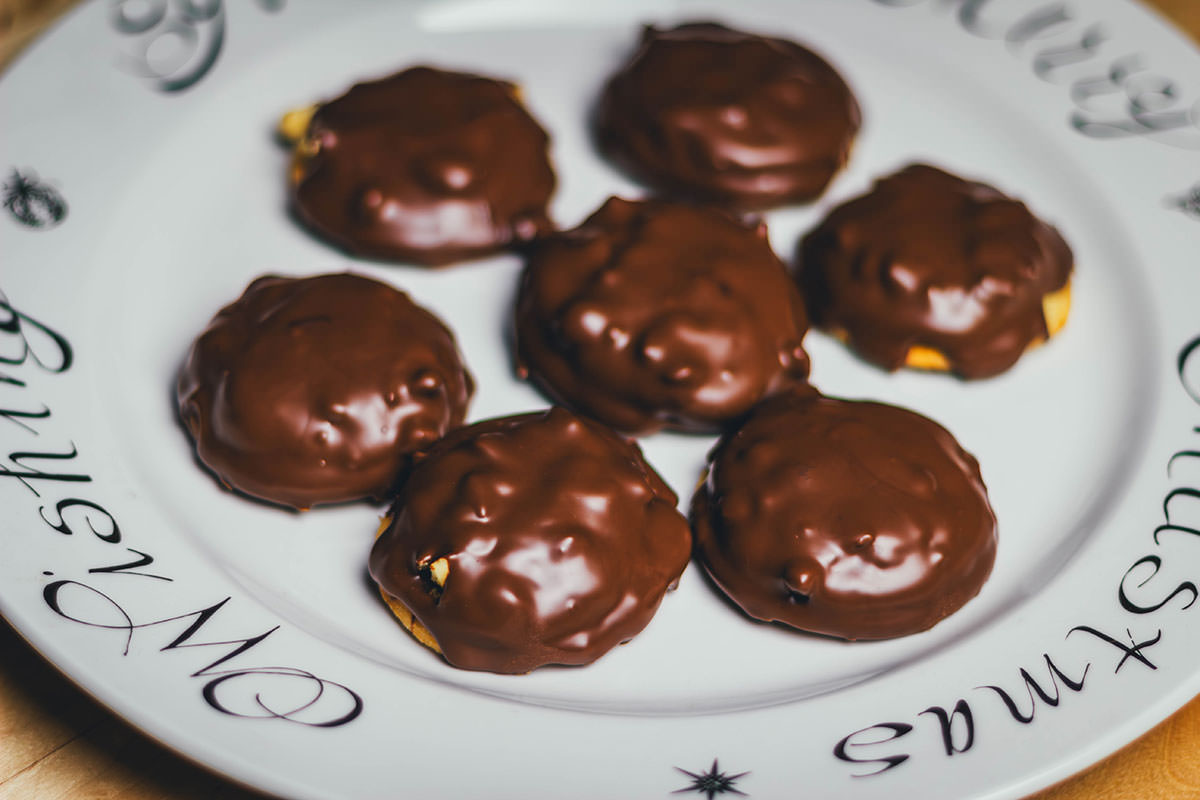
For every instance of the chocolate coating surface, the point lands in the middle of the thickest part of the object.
(654, 314)
(560, 542)
(927, 258)
(852, 519)
(425, 166)
(720, 115)
(318, 390)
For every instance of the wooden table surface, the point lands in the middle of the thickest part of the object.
(55, 742)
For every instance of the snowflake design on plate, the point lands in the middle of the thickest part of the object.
(1188, 203)
(33, 204)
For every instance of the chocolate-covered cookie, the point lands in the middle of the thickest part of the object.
(318, 390)
(543, 538)
(933, 271)
(426, 166)
(656, 314)
(851, 519)
(720, 115)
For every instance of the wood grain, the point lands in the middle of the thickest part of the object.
(57, 743)
(22, 20)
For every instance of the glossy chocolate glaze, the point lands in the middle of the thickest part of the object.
(852, 519)
(654, 314)
(425, 166)
(561, 542)
(927, 258)
(318, 390)
(717, 114)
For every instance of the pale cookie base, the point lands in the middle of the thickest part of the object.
(294, 124)
(438, 570)
(410, 623)
(1055, 307)
(293, 127)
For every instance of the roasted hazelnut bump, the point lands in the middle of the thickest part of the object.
(656, 314)
(537, 539)
(932, 271)
(318, 390)
(716, 114)
(424, 166)
(851, 519)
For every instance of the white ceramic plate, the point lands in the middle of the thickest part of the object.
(248, 638)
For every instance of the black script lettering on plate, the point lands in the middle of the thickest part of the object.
(27, 474)
(1132, 650)
(1035, 688)
(192, 31)
(962, 710)
(111, 532)
(128, 568)
(856, 740)
(23, 338)
(1140, 591)
(15, 416)
(1189, 378)
(1127, 603)
(252, 692)
(1123, 100)
(1143, 104)
(326, 704)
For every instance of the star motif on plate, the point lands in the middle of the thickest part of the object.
(712, 782)
(1189, 203)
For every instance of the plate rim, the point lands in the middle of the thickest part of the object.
(1151, 715)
